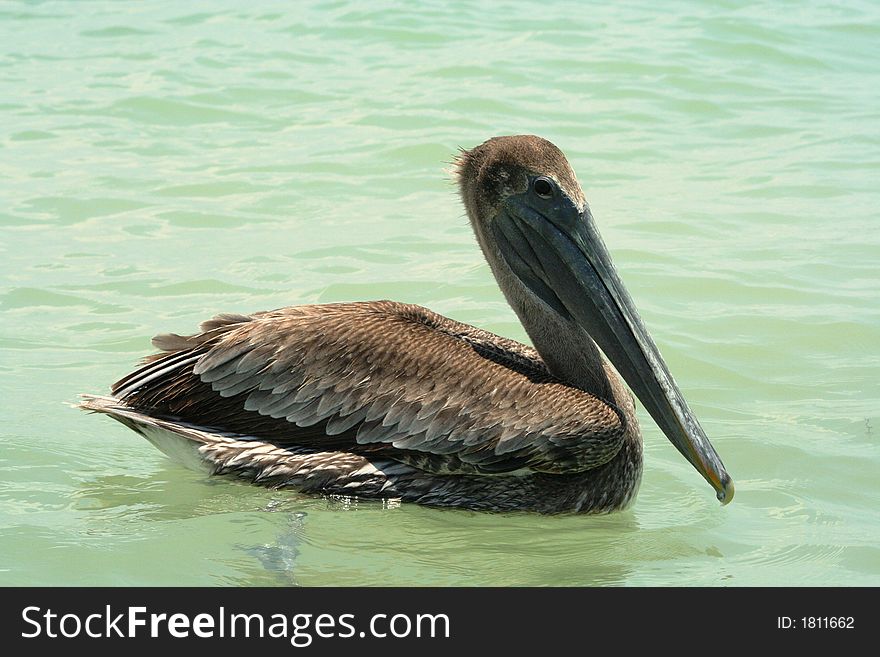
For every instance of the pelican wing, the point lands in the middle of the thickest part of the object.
(377, 378)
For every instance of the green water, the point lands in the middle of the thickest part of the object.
(162, 162)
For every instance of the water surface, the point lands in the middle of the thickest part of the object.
(160, 163)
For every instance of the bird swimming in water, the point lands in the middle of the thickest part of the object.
(383, 399)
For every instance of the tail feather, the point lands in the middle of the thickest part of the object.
(179, 441)
(177, 351)
(253, 459)
(154, 370)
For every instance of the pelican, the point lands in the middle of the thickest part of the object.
(390, 400)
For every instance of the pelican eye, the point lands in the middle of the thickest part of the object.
(543, 187)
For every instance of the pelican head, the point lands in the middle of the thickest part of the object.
(534, 226)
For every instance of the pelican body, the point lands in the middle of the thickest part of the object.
(390, 400)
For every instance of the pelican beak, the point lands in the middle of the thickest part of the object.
(555, 249)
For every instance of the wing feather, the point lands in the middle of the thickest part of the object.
(382, 378)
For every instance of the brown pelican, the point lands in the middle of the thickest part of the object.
(390, 400)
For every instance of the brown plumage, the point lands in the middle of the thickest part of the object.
(384, 399)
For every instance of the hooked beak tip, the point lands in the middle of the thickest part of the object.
(726, 490)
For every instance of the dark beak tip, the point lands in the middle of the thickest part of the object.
(725, 494)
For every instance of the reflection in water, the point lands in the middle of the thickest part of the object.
(280, 557)
(280, 538)
(364, 543)
(166, 525)
(250, 535)
(172, 493)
